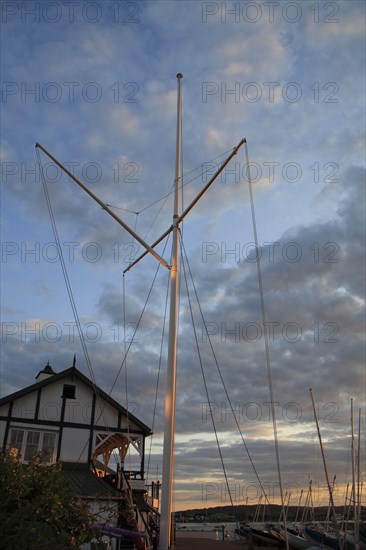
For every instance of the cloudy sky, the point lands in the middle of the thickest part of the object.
(95, 84)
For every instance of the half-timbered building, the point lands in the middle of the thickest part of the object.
(66, 417)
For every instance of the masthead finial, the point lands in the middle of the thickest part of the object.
(179, 75)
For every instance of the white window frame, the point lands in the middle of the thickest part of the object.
(23, 446)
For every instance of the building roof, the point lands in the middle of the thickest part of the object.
(85, 484)
(77, 374)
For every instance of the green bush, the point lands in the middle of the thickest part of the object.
(37, 508)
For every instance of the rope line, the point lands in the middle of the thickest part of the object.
(77, 318)
(172, 190)
(157, 214)
(265, 332)
(125, 352)
(70, 294)
(221, 377)
(205, 385)
(138, 322)
(158, 376)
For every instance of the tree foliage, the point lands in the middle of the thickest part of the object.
(37, 508)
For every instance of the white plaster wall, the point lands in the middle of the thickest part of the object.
(50, 403)
(25, 406)
(4, 409)
(75, 445)
(132, 425)
(78, 410)
(106, 415)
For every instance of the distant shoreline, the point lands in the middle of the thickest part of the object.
(243, 512)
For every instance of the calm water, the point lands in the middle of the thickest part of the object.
(213, 530)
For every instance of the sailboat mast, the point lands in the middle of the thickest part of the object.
(330, 490)
(357, 531)
(169, 423)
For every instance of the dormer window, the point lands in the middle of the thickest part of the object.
(68, 391)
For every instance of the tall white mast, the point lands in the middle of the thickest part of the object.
(169, 425)
(169, 428)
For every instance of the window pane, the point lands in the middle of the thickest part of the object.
(16, 441)
(69, 391)
(48, 446)
(32, 445)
